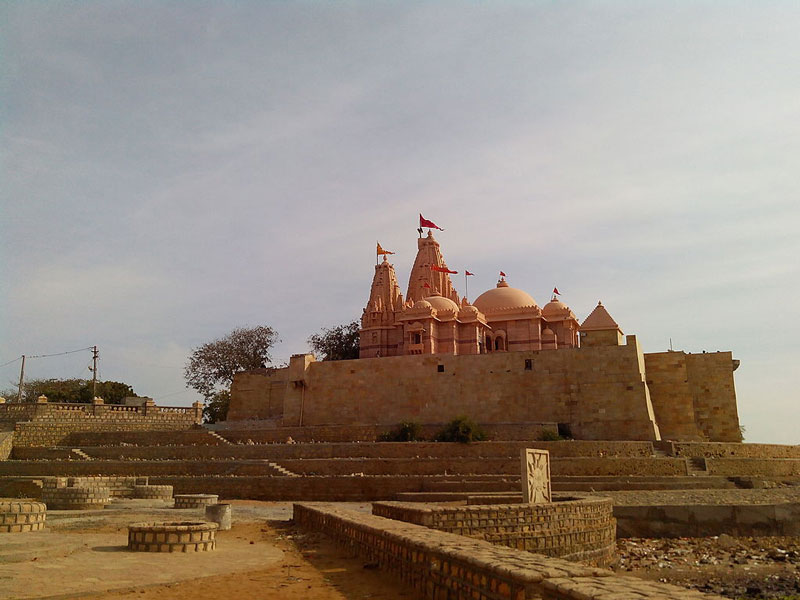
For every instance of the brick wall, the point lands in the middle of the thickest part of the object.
(444, 565)
(600, 391)
(192, 437)
(56, 432)
(367, 433)
(571, 528)
(309, 451)
(775, 467)
(259, 394)
(616, 466)
(668, 380)
(721, 450)
(711, 381)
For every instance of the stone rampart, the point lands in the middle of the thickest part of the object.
(573, 528)
(723, 450)
(242, 431)
(749, 467)
(335, 450)
(439, 564)
(699, 520)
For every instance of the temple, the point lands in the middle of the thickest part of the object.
(433, 320)
(502, 360)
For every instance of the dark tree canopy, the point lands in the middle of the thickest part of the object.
(213, 365)
(217, 407)
(338, 343)
(71, 390)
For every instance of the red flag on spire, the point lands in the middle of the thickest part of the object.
(555, 291)
(425, 285)
(423, 222)
(502, 274)
(443, 270)
(467, 273)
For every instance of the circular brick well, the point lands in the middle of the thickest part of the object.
(153, 492)
(16, 517)
(176, 536)
(195, 500)
(76, 498)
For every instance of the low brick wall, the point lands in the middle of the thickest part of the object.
(746, 467)
(238, 431)
(697, 520)
(444, 565)
(408, 466)
(573, 528)
(191, 445)
(190, 437)
(56, 432)
(724, 449)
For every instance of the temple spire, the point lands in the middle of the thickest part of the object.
(384, 298)
(429, 253)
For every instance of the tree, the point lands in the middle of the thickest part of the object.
(338, 343)
(72, 390)
(217, 407)
(211, 367)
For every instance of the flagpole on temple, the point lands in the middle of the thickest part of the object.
(466, 285)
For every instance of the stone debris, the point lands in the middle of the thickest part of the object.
(741, 568)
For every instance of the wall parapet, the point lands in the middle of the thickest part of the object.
(439, 564)
(573, 526)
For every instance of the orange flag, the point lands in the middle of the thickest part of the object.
(382, 251)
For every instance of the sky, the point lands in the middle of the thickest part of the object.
(173, 170)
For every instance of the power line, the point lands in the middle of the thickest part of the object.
(58, 353)
(10, 362)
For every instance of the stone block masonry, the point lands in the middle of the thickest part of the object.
(21, 516)
(573, 527)
(444, 565)
(172, 537)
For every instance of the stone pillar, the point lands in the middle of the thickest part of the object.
(41, 399)
(219, 514)
(535, 476)
(198, 411)
(148, 406)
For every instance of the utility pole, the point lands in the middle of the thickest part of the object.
(21, 379)
(94, 372)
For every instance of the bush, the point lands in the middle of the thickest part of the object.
(548, 435)
(405, 432)
(462, 430)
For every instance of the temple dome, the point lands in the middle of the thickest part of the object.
(441, 304)
(423, 304)
(554, 307)
(503, 298)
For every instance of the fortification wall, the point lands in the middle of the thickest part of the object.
(673, 405)
(714, 396)
(339, 450)
(259, 394)
(52, 423)
(599, 391)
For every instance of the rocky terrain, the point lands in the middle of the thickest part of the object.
(742, 568)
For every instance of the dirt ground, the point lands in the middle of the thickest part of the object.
(84, 555)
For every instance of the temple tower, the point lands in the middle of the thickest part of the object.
(599, 329)
(429, 253)
(378, 335)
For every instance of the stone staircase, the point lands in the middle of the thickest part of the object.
(214, 434)
(696, 466)
(281, 470)
(80, 454)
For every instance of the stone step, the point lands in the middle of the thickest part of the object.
(81, 454)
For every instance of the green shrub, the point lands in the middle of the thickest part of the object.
(548, 435)
(407, 431)
(462, 430)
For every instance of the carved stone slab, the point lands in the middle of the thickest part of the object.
(535, 476)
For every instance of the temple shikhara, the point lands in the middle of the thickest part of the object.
(434, 320)
(515, 367)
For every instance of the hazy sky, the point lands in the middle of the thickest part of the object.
(172, 170)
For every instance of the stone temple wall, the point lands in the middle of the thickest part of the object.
(601, 392)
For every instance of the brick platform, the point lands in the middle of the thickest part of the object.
(18, 517)
(195, 500)
(180, 536)
(76, 498)
(571, 528)
(153, 492)
(445, 565)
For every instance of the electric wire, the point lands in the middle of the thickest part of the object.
(10, 362)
